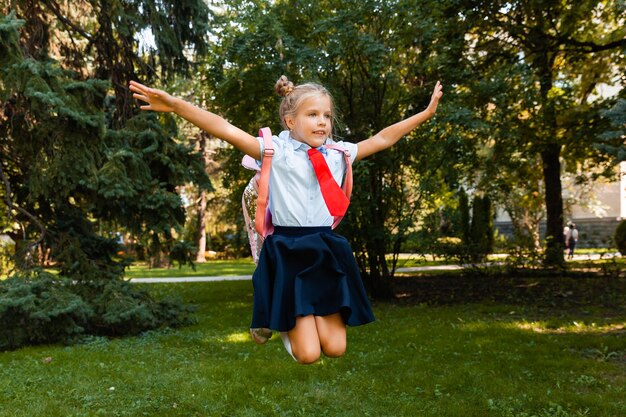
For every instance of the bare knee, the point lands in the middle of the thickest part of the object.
(332, 334)
(307, 354)
(334, 348)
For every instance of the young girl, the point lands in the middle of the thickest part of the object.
(306, 285)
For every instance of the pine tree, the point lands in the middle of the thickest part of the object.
(75, 154)
(481, 232)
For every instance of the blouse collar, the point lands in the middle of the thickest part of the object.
(296, 144)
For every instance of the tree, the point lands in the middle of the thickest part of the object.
(612, 141)
(379, 69)
(481, 228)
(565, 55)
(75, 155)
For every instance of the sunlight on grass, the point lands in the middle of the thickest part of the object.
(574, 327)
(550, 327)
(237, 337)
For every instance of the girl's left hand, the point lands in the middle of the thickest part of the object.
(434, 99)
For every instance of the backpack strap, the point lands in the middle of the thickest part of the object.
(346, 186)
(262, 224)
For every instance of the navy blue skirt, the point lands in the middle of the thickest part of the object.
(303, 271)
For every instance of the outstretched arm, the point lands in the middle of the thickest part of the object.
(217, 126)
(392, 134)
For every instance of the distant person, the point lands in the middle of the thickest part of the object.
(566, 235)
(571, 240)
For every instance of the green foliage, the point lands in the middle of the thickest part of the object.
(41, 308)
(481, 233)
(612, 141)
(548, 58)
(123, 309)
(464, 210)
(183, 253)
(76, 159)
(379, 70)
(7, 249)
(620, 237)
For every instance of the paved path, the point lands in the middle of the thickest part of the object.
(190, 279)
(165, 280)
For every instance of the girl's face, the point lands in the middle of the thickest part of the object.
(312, 122)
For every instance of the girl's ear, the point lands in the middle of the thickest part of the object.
(290, 122)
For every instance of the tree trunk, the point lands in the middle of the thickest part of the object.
(550, 155)
(202, 202)
(554, 205)
(201, 227)
(377, 278)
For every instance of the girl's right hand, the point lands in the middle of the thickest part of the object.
(157, 100)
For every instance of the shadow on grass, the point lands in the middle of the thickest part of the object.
(571, 293)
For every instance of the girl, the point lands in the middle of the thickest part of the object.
(306, 285)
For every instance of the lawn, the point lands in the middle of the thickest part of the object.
(210, 268)
(467, 359)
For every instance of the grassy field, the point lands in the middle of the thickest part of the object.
(211, 268)
(479, 359)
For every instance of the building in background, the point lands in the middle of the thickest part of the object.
(596, 213)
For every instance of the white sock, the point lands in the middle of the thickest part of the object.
(287, 343)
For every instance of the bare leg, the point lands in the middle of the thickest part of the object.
(305, 342)
(332, 333)
(314, 334)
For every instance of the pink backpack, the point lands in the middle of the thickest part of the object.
(256, 194)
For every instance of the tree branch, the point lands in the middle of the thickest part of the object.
(590, 46)
(12, 206)
(54, 7)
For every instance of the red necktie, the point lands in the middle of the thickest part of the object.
(335, 199)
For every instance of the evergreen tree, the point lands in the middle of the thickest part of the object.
(74, 156)
(612, 141)
(481, 232)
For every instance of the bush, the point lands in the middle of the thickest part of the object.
(184, 253)
(42, 308)
(481, 232)
(123, 309)
(620, 237)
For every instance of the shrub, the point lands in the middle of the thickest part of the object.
(40, 309)
(620, 237)
(121, 308)
(481, 231)
(183, 253)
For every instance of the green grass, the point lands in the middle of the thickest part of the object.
(415, 360)
(210, 268)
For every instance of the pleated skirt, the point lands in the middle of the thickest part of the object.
(303, 271)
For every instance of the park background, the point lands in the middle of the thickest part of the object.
(531, 121)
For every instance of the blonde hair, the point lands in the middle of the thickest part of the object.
(294, 96)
